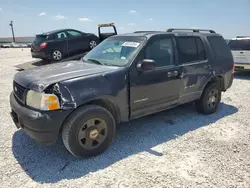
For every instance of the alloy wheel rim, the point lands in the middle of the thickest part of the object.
(213, 98)
(92, 44)
(57, 55)
(92, 133)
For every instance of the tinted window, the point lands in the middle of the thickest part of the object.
(239, 44)
(41, 38)
(160, 50)
(74, 33)
(200, 49)
(219, 46)
(187, 49)
(61, 35)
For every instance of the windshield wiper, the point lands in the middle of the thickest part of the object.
(95, 61)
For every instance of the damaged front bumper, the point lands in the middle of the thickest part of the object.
(42, 126)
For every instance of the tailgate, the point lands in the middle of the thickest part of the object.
(241, 56)
(39, 39)
(241, 50)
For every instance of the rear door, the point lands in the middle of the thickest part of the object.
(78, 42)
(195, 64)
(60, 42)
(241, 50)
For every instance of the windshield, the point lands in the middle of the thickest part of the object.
(239, 44)
(117, 51)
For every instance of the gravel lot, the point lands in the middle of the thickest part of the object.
(175, 148)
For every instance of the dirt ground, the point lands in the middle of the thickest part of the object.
(174, 148)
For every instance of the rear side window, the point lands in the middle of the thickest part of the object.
(191, 49)
(219, 47)
(61, 35)
(41, 38)
(74, 33)
(200, 49)
(239, 44)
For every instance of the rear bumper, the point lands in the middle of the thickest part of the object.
(230, 81)
(41, 55)
(42, 126)
(242, 67)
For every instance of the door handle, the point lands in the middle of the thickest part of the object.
(172, 74)
(241, 52)
(207, 66)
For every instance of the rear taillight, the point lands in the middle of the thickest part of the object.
(43, 45)
(233, 68)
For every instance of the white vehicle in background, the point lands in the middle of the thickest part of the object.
(14, 45)
(23, 45)
(5, 45)
(240, 47)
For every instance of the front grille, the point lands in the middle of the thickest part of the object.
(19, 91)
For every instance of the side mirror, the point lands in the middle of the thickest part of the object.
(146, 64)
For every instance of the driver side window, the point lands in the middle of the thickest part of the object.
(74, 33)
(161, 51)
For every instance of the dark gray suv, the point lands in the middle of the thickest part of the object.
(124, 77)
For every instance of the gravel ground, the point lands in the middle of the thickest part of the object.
(175, 148)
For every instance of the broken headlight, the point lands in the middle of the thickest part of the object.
(42, 101)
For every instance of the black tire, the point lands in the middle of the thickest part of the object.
(55, 57)
(203, 105)
(73, 126)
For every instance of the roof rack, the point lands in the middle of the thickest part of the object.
(188, 29)
(106, 24)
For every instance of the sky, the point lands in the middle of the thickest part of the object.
(230, 18)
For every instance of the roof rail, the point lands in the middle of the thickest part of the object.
(188, 29)
(106, 24)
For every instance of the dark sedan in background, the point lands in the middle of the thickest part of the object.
(59, 44)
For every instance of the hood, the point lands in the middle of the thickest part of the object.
(40, 78)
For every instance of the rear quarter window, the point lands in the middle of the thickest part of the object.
(219, 47)
(41, 38)
(239, 44)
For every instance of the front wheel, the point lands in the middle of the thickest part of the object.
(210, 99)
(88, 131)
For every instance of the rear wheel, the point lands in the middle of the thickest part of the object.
(210, 99)
(88, 131)
(92, 44)
(56, 55)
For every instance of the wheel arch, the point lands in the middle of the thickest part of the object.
(108, 104)
(216, 79)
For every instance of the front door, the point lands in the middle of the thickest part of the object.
(78, 42)
(155, 90)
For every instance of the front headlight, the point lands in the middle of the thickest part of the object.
(42, 101)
